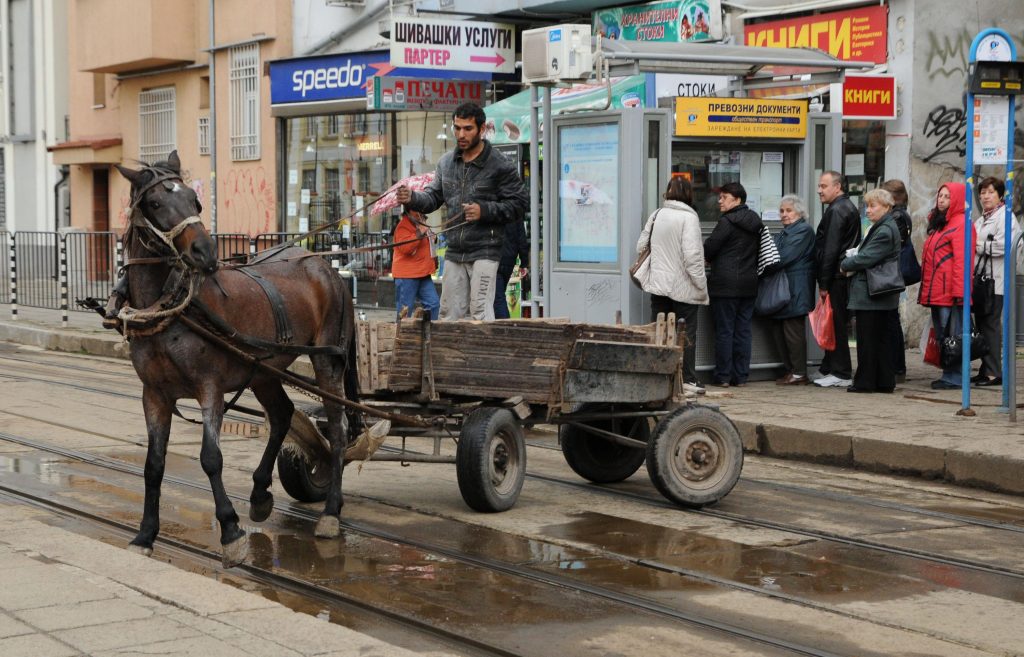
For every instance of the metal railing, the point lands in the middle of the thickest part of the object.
(52, 270)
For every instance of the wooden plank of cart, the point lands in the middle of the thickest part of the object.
(614, 390)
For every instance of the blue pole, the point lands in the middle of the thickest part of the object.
(1009, 264)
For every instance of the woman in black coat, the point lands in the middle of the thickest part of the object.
(789, 328)
(731, 251)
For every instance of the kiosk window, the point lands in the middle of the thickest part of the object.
(588, 193)
(766, 172)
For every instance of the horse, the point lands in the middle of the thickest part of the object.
(172, 261)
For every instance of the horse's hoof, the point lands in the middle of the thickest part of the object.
(261, 511)
(140, 549)
(328, 527)
(235, 552)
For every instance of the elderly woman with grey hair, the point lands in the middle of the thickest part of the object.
(796, 249)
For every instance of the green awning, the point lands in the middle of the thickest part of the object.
(510, 118)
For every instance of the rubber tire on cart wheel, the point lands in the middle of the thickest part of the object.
(602, 461)
(490, 461)
(695, 456)
(304, 480)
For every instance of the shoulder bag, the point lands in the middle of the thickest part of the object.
(767, 253)
(640, 271)
(885, 278)
(909, 265)
(953, 346)
(983, 292)
(773, 294)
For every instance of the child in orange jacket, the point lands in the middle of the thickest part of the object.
(412, 265)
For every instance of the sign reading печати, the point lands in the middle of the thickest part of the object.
(461, 45)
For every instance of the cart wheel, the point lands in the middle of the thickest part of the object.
(491, 459)
(602, 461)
(304, 480)
(695, 456)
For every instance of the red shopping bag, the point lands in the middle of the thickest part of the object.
(821, 324)
(932, 349)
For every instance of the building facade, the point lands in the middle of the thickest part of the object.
(34, 60)
(139, 88)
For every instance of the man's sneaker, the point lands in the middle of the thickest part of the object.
(832, 381)
(693, 388)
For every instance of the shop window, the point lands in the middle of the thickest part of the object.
(863, 157)
(157, 132)
(245, 102)
(331, 183)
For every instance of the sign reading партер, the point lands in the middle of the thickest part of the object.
(462, 45)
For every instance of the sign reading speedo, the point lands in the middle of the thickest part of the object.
(339, 77)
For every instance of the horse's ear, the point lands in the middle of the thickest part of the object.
(130, 174)
(174, 162)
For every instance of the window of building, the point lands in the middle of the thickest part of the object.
(204, 135)
(333, 125)
(245, 102)
(99, 90)
(312, 123)
(332, 183)
(204, 92)
(157, 132)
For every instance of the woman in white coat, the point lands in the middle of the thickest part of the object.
(677, 282)
(989, 257)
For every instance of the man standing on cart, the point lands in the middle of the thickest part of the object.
(476, 182)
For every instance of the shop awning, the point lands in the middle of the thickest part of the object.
(508, 121)
(96, 150)
(745, 62)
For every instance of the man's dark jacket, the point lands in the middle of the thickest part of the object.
(838, 231)
(732, 249)
(489, 180)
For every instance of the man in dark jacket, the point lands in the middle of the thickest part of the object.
(477, 182)
(838, 231)
(731, 250)
(516, 245)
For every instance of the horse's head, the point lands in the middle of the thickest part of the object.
(165, 205)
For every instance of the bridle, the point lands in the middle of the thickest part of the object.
(139, 220)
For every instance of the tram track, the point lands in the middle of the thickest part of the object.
(631, 601)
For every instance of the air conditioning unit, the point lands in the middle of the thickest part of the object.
(559, 53)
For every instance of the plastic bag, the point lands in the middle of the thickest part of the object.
(930, 346)
(821, 324)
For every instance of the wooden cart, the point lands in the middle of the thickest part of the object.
(614, 391)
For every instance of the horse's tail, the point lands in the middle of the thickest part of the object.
(349, 334)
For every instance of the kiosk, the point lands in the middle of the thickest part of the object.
(610, 167)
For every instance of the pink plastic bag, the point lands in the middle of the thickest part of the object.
(821, 324)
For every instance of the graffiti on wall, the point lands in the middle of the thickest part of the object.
(946, 128)
(248, 202)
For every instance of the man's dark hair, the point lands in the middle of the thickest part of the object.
(679, 189)
(837, 178)
(734, 189)
(897, 189)
(471, 111)
(995, 183)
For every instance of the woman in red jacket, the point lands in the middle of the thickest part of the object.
(412, 265)
(942, 271)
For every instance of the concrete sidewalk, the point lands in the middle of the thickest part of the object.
(914, 431)
(65, 594)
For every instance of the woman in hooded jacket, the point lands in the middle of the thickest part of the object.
(732, 250)
(942, 272)
(677, 282)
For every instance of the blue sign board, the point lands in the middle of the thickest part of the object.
(341, 76)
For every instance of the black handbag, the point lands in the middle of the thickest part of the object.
(885, 278)
(640, 270)
(773, 294)
(909, 266)
(983, 292)
(953, 346)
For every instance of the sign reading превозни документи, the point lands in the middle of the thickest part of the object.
(739, 117)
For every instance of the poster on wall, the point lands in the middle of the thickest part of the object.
(991, 129)
(666, 20)
(588, 193)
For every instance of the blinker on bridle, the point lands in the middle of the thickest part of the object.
(169, 179)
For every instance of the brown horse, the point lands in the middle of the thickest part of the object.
(166, 243)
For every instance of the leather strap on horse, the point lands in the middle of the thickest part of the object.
(297, 381)
(258, 343)
(282, 325)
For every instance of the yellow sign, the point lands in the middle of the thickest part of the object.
(749, 118)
